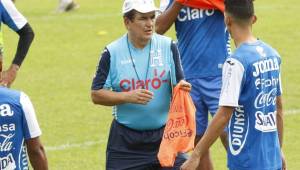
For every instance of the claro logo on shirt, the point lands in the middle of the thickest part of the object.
(155, 83)
(238, 130)
(5, 110)
(188, 14)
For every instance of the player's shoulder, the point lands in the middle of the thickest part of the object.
(11, 95)
(161, 38)
(271, 49)
(116, 44)
(6, 3)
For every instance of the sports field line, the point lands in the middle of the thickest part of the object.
(292, 112)
(74, 145)
(93, 143)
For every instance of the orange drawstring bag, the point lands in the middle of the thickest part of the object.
(180, 131)
(204, 4)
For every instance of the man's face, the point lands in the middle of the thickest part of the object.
(141, 27)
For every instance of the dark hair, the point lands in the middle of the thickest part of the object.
(240, 9)
(130, 14)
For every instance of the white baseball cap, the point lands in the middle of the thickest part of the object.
(142, 6)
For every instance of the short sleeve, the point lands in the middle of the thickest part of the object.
(30, 124)
(176, 67)
(232, 77)
(11, 16)
(164, 4)
(102, 79)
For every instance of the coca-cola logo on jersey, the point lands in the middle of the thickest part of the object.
(5, 142)
(265, 99)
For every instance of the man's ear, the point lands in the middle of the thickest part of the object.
(227, 20)
(126, 22)
(253, 19)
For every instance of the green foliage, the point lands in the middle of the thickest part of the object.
(59, 68)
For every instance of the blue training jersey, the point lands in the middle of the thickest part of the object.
(17, 124)
(251, 84)
(203, 40)
(10, 16)
(157, 66)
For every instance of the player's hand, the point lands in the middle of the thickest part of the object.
(191, 164)
(8, 76)
(284, 166)
(185, 85)
(139, 96)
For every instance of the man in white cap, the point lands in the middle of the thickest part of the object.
(134, 75)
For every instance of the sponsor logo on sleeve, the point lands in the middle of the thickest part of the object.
(238, 130)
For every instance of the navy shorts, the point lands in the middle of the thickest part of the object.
(129, 149)
(205, 94)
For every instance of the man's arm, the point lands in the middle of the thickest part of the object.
(214, 130)
(17, 22)
(279, 119)
(26, 36)
(111, 98)
(165, 20)
(36, 153)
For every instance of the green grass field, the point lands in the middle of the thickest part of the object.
(58, 71)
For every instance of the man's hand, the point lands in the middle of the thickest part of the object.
(139, 96)
(191, 164)
(284, 166)
(185, 85)
(8, 76)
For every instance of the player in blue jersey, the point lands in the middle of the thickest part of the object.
(203, 43)
(250, 101)
(17, 22)
(19, 133)
(136, 74)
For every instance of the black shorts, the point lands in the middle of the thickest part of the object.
(129, 149)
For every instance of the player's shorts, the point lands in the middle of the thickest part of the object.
(205, 94)
(135, 150)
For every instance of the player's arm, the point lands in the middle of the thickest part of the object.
(165, 20)
(32, 132)
(279, 119)
(26, 36)
(100, 93)
(111, 98)
(214, 130)
(17, 22)
(232, 78)
(176, 70)
(36, 153)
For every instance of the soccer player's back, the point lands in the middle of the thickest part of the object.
(19, 132)
(253, 136)
(250, 100)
